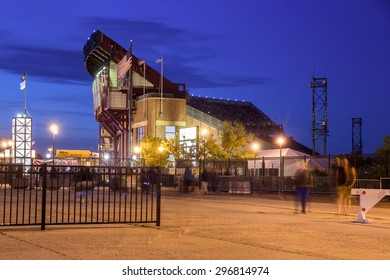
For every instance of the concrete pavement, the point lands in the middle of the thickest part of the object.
(214, 227)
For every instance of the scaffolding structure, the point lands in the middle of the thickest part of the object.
(319, 122)
(357, 142)
(22, 139)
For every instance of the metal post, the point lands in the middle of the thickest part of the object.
(43, 216)
(158, 197)
(53, 147)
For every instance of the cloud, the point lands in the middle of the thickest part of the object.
(186, 51)
(44, 64)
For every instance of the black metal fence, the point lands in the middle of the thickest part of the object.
(276, 174)
(261, 184)
(46, 195)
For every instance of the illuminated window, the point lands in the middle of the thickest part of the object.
(140, 134)
(170, 132)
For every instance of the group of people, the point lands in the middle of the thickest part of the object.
(345, 179)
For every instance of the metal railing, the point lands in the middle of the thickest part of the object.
(79, 195)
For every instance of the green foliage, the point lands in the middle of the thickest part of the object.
(234, 145)
(234, 140)
(151, 153)
(386, 146)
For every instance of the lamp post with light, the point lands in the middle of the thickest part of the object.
(137, 151)
(160, 151)
(255, 148)
(280, 141)
(54, 130)
(203, 134)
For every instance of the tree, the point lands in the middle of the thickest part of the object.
(386, 146)
(154, 151)
(235, 140)
(181, 149)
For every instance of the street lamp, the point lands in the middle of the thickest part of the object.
(160, 151)
(280, 141)
(54, 130)
(255, 148)
(137, 151)
(203, 133)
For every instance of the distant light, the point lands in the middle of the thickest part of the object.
(48, 155)
(106, 156)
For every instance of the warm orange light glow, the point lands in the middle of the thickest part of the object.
(280, 140)
(137, 149)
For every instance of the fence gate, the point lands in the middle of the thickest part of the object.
(46, 195)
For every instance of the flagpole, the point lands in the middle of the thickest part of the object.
(162, 86)
(25, 94)
(23, 86)
(129, 145)
(144, 89)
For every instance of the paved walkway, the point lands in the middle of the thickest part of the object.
(213, 227)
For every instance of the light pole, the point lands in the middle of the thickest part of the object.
(160, 151)
(137, 151)
(255, 148)
(280, 141)
(203, 133)
(54, 130)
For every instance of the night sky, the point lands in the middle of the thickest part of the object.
(260, 51)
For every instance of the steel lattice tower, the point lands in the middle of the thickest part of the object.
(357, 143)
(319, 122)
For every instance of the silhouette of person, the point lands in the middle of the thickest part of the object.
(304, 182)
(345, 178)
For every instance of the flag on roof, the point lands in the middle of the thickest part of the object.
(23, 84)
(160, 59)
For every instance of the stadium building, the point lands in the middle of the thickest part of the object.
(132, 100)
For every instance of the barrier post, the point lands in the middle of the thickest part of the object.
(368, 198)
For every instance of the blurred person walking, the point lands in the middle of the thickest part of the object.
(346, 179)
(304, 181)
(188, 177)
(205, 181)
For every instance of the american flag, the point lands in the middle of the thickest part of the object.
(124, 65)
(23, 84)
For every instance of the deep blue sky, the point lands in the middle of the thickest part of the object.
(254, 50)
